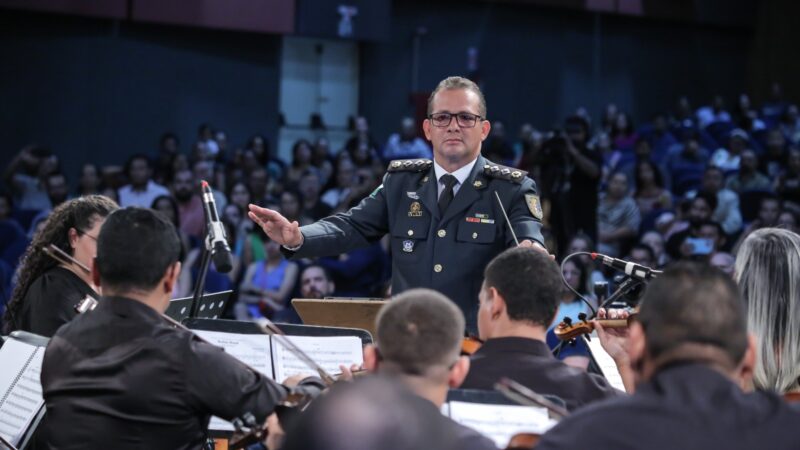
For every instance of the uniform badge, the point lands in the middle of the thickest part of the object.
(408, 246)
(415, 210)
(413, 195)
(516, 174)
(534, 205)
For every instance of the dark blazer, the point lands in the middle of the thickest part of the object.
(446, 252)
(530, 362)
(687, 406)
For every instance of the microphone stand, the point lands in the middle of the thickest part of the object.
(200, 282)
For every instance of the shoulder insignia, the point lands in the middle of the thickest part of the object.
(534, 205)
(409, 165)
(504, 173)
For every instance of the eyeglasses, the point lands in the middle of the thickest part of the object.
(94, 238)
(463, 119)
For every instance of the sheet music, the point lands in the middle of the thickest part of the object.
(21, 395)
(328, 352)
(500, 422)
(605, 362)
(251, 349)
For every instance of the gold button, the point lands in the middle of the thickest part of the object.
(442, 233)
(437, 268)
(474, 235)
(410, 232)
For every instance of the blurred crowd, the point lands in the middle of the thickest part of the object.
(689, 184)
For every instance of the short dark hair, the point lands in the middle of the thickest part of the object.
(694, 303)
(325, 271)
(651, 255)
(418, 330)
(529, 281)
(577, 121)
(134, 249)
(710, 199)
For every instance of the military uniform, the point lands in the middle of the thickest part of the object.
(446, 252)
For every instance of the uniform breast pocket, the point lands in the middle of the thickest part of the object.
(409, 235)
(476, 232)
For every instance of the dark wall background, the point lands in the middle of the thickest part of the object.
(538, 64)
(97, 90)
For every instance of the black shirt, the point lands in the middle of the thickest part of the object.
(530, 362)
(120, 377)
(50, 301)
(687, 406)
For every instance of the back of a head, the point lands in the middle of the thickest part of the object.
(418, 330)
(530, 283)
(768, 273)
(693, 303)
(134, 249)
(370, 413)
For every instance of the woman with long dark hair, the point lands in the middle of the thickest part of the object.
(47, 291)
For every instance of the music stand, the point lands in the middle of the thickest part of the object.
(210, 306)
(179, 309)
(340, 313)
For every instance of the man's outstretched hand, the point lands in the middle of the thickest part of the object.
(276, 226)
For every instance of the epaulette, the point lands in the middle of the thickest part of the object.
(504, 173)
(410, 165)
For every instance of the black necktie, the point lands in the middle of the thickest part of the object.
(447, 194)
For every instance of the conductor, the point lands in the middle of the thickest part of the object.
(442, 215)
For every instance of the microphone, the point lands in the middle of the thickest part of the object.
(635, 271)
(216, 241)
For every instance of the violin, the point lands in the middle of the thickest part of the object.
(523, 441)
(567, 330)
(470, 345)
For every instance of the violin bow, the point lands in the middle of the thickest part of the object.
(528, 397)
(63, 257)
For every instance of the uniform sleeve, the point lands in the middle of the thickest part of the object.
(220, 383)
(361, 225)
(524, 204)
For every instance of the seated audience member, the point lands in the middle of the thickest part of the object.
(768, 273)
(310, 185)
(699, 211)
(748, 178)
(167, 206)
(121, 376)
(583, 243)
(266, 284)
(787, 186)
(650, 193)
(788, 220)
(55, 185)
(643, 255)
(727, 212)
(345, 178)
(185, 190)
(89, 181)
(47, 290)
(291, 206)
(691, 354)
(417, 344)
(575, 275)
(769, 211)
(322, 160)
(618, 216)
(301, 161)
(773, 158)
(316, 282)
(728, 159)
(141, 190)
(26, 174)
(655, 241)
(685, 164)
(518, 302)
(406, 144)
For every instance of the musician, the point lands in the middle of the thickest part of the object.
(691, 354)
(418, 343)
(120, 376)
(443, 215)
(47, 290)
(768, 274)
(519, 298)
